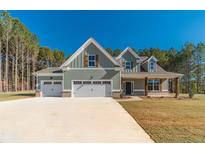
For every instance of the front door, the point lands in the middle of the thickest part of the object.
(128, 88)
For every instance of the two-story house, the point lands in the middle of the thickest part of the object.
(92, 72)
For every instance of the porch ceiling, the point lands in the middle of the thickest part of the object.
(154, 75)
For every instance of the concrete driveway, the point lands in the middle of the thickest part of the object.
(68, 120)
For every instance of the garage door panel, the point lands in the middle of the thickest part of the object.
(51, 88)
(91, 89)
(81, 90)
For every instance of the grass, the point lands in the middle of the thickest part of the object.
(16, 95)
(170, 119)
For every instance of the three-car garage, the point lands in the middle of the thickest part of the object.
(80, 88)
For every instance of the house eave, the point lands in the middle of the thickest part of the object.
(112, 68)
(48, 74)
(167, 75)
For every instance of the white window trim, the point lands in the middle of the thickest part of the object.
(130, 63)
(91, 61)
(153, 90)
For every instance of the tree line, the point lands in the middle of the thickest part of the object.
(21, 55)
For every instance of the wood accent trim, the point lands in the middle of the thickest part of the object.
(160, 84)
(176, 87)
(146, 86)
(85, 61)
(97, 61)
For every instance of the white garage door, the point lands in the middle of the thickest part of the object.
(91, 88)
(51, 88)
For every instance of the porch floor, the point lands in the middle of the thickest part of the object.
(159, 94)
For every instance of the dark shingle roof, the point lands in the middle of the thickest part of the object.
(50, 70)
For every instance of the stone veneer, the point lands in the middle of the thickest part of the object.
(116, 94)
(66, 93)
(38, 94)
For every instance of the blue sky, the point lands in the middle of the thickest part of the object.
(67, 30)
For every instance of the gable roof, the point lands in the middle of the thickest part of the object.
(88, 42)
(130, 50)
(148, 59)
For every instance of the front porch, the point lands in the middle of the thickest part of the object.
(150, 84)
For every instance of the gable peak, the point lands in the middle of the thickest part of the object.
(130, 50)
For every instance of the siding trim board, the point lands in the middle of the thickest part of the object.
(138, 89)
(63, 82)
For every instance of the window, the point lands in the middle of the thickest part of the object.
(57, 82)
(86, 82)
(153, 85)
(128, 65)
(91, 60)
(152, 66)
(96, 82)
(106, 82)
(46, 83)
(77, 82)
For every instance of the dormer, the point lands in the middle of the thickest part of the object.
(129, 60)
(150, 64)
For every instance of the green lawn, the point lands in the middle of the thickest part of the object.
(170, 119)
(16, 95)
